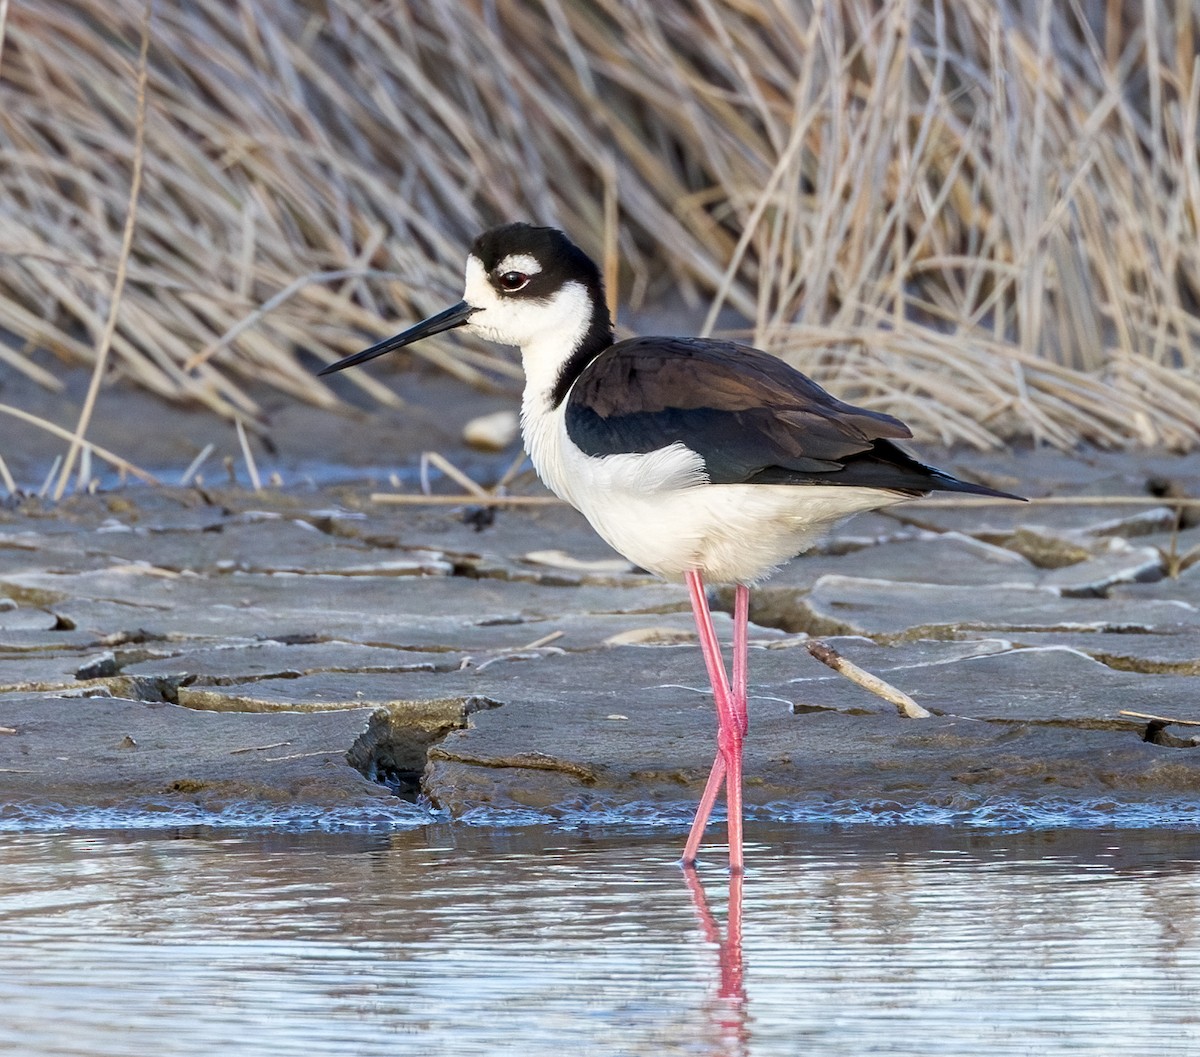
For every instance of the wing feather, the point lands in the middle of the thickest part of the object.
(745, 412)
(750, 417)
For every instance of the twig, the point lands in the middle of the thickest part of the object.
(545, 640)
(302, 755)
(513, 468)
(123, 465)
(195, 464)
(259, 748)
(905, 705)
(110, 325)
(42, 492)
(1062, 500)
(408, 499)
(85, 469)
(7, 477)
(612, 221)
(450, 470)
(3, 28)
(273, 302)
(1160, 719)
(248, 455)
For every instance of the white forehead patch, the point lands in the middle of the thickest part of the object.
(519, 262)
(477, 290)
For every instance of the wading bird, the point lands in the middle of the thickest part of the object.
(698, 460)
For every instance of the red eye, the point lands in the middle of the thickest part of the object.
(511, 282)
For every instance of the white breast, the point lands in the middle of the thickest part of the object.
(659, 511)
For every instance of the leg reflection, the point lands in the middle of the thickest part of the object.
(730, 1012)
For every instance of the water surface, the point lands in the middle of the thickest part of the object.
(460, 941)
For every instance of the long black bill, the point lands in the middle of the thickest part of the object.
(454, 316)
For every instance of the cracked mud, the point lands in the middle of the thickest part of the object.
(314, 650)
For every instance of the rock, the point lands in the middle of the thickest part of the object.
(395, 747)
(26, 618)
(497, 431)
(67, 758)
(45, 670)
(1119, 564)
(507, 762)
(99, 667)
(1176, 653)
(559, 559)
(1141, 523)
(1050, 685)
(253, 545)
(1182, 590)
(845, 605)
(946, 558)
(273, 660)
(407, 613)
(932, 558)
(1047, 551)
(327, 693)
(896, 657)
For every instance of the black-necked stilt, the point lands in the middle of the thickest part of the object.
(696, 459)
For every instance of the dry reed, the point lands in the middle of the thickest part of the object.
(980, 216)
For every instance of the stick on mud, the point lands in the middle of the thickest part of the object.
(905, 705)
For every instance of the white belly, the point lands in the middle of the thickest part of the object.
(732, 533)
(659, 511)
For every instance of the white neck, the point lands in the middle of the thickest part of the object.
(543, 356)
(548, 332)
(545, 351)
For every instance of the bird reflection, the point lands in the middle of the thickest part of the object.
(729, 1011)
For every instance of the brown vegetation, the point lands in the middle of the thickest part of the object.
(980, 216)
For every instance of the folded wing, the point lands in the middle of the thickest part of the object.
(750, 417)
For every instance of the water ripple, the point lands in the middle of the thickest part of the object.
(469, 941)
(989, 814)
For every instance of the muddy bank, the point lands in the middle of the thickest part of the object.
(306, 651)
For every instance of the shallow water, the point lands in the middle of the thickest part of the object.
(454, 940)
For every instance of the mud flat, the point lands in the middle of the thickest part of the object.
(305, 654)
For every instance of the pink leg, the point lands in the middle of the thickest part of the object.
(720, 687)
(727, 766)
(739, 721)
(730, 747)
(741, 618)
(716, 779)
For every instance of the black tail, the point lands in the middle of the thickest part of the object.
(940, 481)
(934, 480)
(882, 466)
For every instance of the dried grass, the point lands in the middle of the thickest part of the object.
(981, 216)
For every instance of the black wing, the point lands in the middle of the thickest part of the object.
(750, 417)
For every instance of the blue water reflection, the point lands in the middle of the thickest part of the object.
(460, 941)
